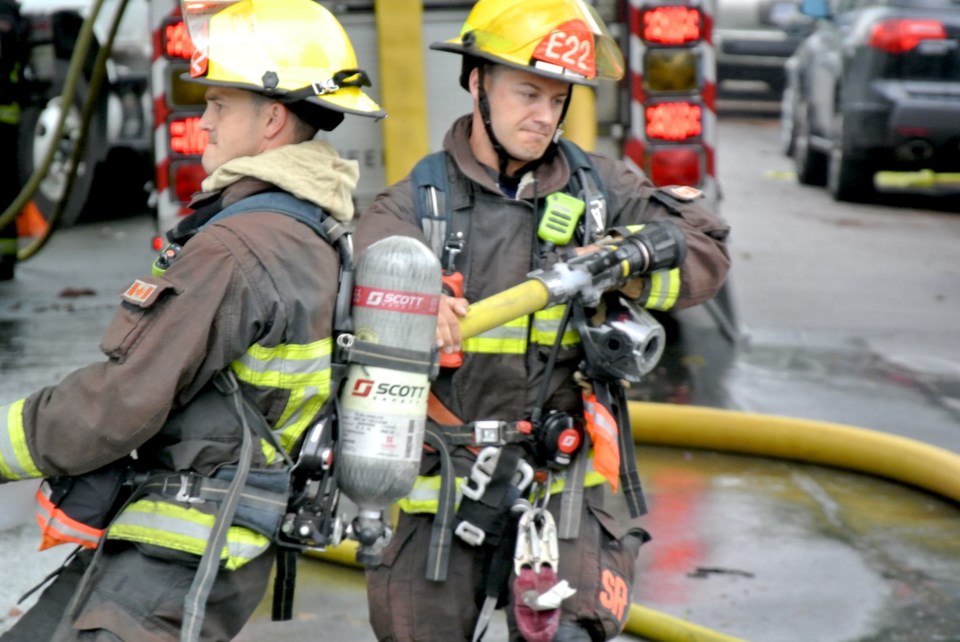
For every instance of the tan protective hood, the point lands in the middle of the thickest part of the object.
(311, 170)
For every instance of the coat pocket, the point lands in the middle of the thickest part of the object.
(141, 302)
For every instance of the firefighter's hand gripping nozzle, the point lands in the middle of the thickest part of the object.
(391, 359)
(660, 245)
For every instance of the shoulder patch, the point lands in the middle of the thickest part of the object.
(139, 293)
(684, 192)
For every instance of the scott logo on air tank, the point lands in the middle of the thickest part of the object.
(395, 392)
(396, 301)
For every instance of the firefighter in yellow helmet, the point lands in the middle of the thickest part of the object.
(167, 462)
(508, 511)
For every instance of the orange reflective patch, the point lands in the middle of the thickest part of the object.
(139, 292)
(603, 431)
(615, 595)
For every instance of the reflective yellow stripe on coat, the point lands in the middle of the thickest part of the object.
(303, 371)
(663, 286)
(425, 496)
(15, 459)
(184, 529)
(512, 337)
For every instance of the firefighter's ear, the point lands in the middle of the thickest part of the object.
(276, 119)
(473, 83)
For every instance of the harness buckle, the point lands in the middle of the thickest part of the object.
(470, 533)
(184, 494)
(488, 431)
(475, 484)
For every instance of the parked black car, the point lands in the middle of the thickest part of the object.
(875, 87)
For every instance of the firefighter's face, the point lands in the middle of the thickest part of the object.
(525, 111)
(235, 123)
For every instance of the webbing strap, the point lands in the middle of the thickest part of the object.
(571, 500)
(195, 603)
(382, 356)
(440, 413)
(613, 396)
(284, 584)
(438, 558)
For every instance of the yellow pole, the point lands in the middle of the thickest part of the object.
(402, 86)
(581, 122)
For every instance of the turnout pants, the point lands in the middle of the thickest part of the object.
(405, 607)
(134, 597)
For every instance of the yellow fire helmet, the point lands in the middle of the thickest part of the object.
(291, 50)
(563, 39)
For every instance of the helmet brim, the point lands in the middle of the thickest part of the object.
(348, 100)
(456, 46)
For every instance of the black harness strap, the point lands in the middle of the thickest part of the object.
(613, 396)
(441, 536)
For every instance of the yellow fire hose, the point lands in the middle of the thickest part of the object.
(857, 449)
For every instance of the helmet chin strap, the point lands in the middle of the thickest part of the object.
(503, 156)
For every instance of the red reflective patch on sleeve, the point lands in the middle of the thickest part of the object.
(569, 46)
(139, 292)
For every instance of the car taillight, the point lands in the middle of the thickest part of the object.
(676, 166)
(903, 35)
(673, 121)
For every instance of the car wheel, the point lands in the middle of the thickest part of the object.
(811, 164)
(848, 178)
(38, 125)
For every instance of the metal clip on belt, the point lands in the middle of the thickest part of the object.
(536, 546)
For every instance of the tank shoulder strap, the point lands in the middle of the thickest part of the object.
(431, 200)
(311, 215)
(587, 184)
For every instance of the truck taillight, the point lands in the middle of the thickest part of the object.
(186, 137)
(903, 35)
(677, 121)
(671, 25)
(186, 177)
(673, 88)
(176, 43)
(676, 166)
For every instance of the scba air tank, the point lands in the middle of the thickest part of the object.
(383, 403)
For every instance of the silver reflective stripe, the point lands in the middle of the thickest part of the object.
(283, 368)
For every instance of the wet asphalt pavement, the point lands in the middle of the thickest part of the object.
(764, 550)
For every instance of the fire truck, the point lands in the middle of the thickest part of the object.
(145, 135)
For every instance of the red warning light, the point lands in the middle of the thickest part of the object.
(673, 121)
(186, 137)
(176, 41)
(671, 25)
